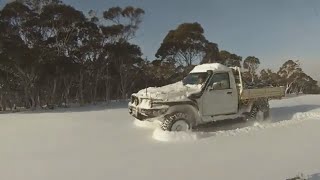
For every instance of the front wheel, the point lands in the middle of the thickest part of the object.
(176, 122)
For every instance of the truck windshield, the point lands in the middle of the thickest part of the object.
(195, 78)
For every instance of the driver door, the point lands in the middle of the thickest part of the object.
(221, 99)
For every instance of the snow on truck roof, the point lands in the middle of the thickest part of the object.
(210, 66)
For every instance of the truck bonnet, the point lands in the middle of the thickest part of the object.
(172, 92)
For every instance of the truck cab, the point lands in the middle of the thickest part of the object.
(220, 96)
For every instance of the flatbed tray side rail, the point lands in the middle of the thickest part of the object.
(267, 92)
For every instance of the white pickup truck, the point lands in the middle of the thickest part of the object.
(210, 92)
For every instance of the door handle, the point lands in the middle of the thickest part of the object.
(229, 92)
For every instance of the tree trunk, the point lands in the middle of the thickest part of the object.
(95, 91)
(27, 103)
(53, 94)
(38, 103)
(120, 94)
(252, 77)
(2, 103)
(288, 87)
(123, 88)
(107, 90)
(30, 97)
(123, 83)
(301, 90)
(67, 86)
(91, 93)
(67, 97)
(81, 88)
(107, 82)
(33, 102)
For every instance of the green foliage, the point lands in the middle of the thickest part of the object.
(211, 53)
(183, 46)
(124, 22)
(269, 78)
(229, 59)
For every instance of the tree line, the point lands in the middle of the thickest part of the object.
(52, 54)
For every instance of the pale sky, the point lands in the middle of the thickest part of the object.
(272, 30)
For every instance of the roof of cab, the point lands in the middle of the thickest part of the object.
(210, 66)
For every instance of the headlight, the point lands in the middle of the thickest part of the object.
(136, 101)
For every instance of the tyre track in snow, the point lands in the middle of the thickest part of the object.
(234, 129)
(284, 113)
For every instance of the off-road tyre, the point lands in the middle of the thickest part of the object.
(172, 118)
(260, 107)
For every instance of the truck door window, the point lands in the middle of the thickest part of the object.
(221, 78)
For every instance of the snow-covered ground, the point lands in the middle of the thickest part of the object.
(106, 143)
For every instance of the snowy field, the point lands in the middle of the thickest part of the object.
(105, 143)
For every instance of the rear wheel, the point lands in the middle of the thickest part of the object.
(260, 110)
(176, 121)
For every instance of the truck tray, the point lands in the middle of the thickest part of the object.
(268, 92)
